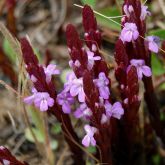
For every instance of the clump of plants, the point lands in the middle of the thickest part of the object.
(110, 118)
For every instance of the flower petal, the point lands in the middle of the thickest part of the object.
(146, 71)
(86, 141)
(43, 105)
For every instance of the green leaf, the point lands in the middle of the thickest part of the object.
(56, 128)
(162, 87)
(91, 3)
(37, 133)
(92, 149)
(156, 159)
(110, 12)
(37, 120)
(9, 51)
(157, 66)
(158, 32)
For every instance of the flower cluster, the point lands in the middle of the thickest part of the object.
(42, 100)
(44, 95)
(90, 84)
(133, 58)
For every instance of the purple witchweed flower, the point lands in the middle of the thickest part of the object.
(153, 43)
(49, 71)
(116, 110)
(75, 86)
(70, 77)
(65, 100)
(83, 111)
(141, 68)
(77, 89)
(43, 101)
(94, 48)
(76, 63)
(128, 9)
(102, 83)
(129, 32)
(6, 162)
(144, 12)
(92, 59)
(30, 99)
(88, 138)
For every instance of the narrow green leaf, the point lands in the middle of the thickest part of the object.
(37, 133)
(110, 12)
(158, 32)
(56, 128)
(157, 66)
(9, 51)
(92, 149)
(92, 3)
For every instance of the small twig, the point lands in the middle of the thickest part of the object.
(9, 88)
(62, 156)
(12, 120)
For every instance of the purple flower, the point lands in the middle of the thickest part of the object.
(116, 110)
(77, 89)
(129, 32)
(88, 138)
(128, 9)
(75, 86)
(153, 43)
(6, 162)
(33, 78)
(94, 48)
(144, 12)
(70, 77)
(102, 83)
(30, 99)
(43, 101)
(83, 111)
(50, 70)
(76, 63)
(92, 59)
(141, 68)
(66, 100)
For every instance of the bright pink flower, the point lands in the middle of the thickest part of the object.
(88, 138)
(142, 69)
(129, 32)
